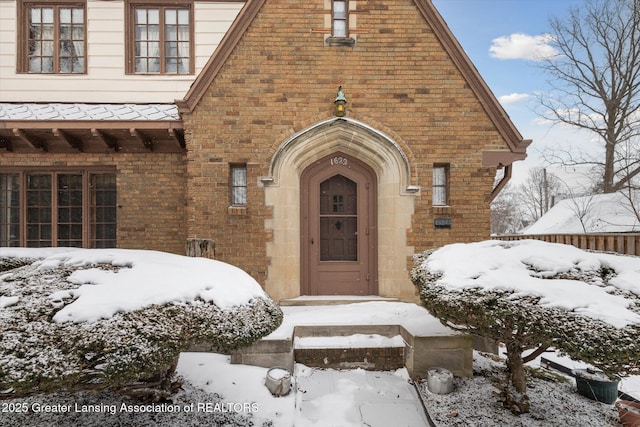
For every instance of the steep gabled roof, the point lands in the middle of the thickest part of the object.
(492, 107)
(220, 56)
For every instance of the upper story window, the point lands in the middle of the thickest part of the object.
(159, 39)
(340, 21)
(53, 39)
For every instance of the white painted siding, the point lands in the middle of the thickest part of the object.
(106, 80)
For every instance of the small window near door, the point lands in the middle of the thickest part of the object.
(239, 185)
(440, 185)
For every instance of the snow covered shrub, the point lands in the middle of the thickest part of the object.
(531, 295)
(118, 319)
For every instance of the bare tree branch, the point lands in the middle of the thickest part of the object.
(595, 83)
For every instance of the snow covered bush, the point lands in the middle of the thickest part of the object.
(78, 319)
(531, 295)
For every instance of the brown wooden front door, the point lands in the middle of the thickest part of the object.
(338, 239)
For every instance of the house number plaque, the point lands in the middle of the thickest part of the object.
(339, 161)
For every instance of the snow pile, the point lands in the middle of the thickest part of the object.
(527, 293)
(599, 213)
(586, 282)
(76, 318)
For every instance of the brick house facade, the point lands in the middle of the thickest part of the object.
(419, 147)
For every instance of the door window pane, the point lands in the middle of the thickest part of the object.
(338, 219)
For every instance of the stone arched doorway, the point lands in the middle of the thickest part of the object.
(338, 227)
(394, 195)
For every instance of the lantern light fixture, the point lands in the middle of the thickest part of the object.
(340, 103)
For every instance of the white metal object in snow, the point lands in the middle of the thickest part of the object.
(440, 381)
(278, 381)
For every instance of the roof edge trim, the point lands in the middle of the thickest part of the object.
(489, 102)
(220, 55)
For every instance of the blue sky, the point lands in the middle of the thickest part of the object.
(502, 38)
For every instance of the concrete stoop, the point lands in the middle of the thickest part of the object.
(417, 353)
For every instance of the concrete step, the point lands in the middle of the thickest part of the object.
(332, 300)
(372, 352)
(427, 343)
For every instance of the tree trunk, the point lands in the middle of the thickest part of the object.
(518, 402)
(516, 369)
(205, 248)
(608, 175)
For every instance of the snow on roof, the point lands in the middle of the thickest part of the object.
(601, 213)
(148, 278)
(59, 111)
(524, 267)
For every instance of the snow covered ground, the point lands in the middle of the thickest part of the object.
(218, 393)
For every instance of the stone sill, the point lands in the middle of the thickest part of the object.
(340, 41)
(237, 210)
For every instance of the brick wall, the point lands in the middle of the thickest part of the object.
(281, 78)
(150, 191)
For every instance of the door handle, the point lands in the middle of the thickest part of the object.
(312, 240)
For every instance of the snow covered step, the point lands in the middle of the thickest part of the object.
(306, 300)
(350, 341)
(367, 351)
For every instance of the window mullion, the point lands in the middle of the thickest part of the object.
(23, 209)
(163, 41)
(86, 210)
(56, 40)
(54, 209)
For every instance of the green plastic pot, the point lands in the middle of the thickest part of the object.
(598, 389)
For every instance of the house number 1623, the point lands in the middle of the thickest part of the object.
(339, 161)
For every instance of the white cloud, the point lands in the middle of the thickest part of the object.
(523, 46)
(513, 98)
(541, 121)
